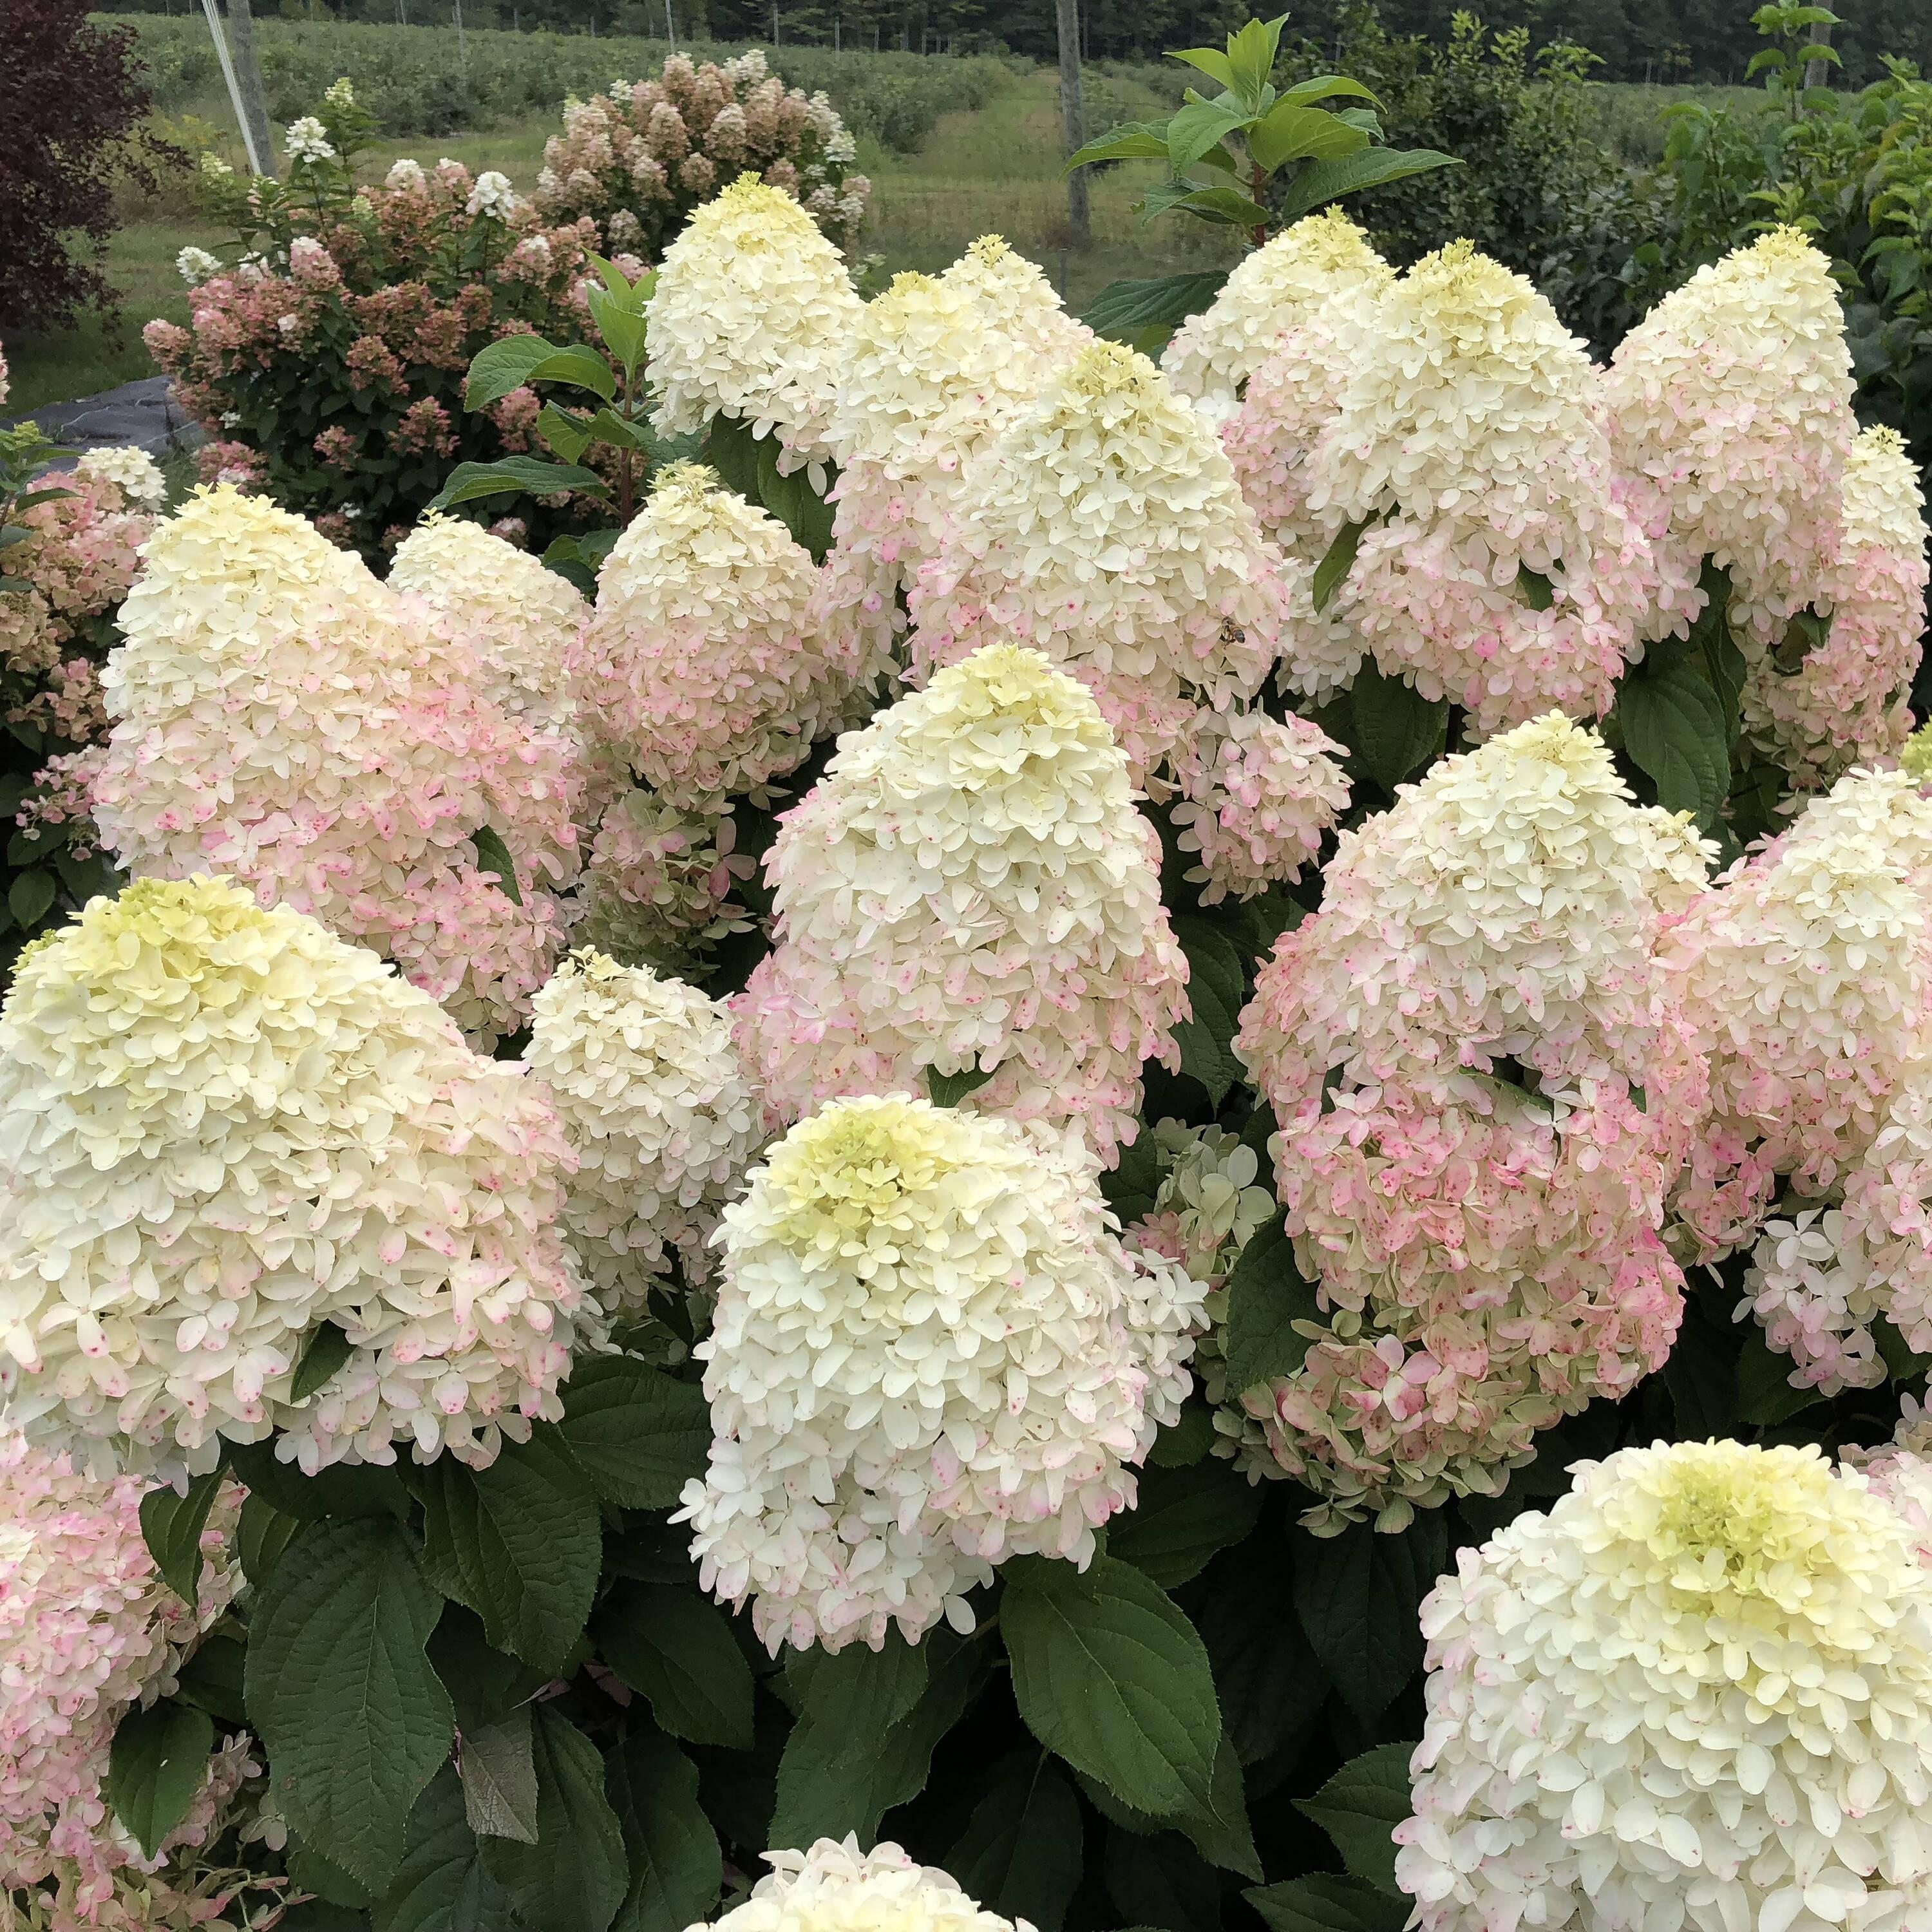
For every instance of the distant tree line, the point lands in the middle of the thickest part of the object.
(1709, 41)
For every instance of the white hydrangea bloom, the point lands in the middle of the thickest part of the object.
(131, 469)
(654, 1103)
(1104, 527)
(307, 140)
(404, 174)
(1497, 563)
(1320, 265)
(970, 884)
(929, 1354)
(1732, 401)
(749, 320)
(493, 196)
(518, 616)
(1016, 298)
(836, 1888)
(195, 266)
(225, 1126)
(1695, 1696)
(705, 663)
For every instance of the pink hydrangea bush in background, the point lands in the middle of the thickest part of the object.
(638, 157)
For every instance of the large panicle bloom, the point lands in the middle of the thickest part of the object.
(654, 1104)
(1485, 1086)
(281, 716)
(1017, 299)
(934, 371)
(1320, 266)
(88, 1629)
(749, 321)
(834, 1887)
(224, 1127)
(1105, 528)
(1695, 1696)
(1730, 404)
(517, 615)
(1833, 694)
(1497, 563)
(704, 665)
(971, 884)
(929, 1354)
(1257, 793)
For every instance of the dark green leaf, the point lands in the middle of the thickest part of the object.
(732, 451)
(483, 1683)
(1271, 1685)
(580, 367)
(948, 1090)
(792, 499)
(1396, 730)
(1360, 1806)
(675, 1648)
(1163, 1881)
(1701, 1376)
(675, 1868)
(326, 1350)
(442, 1886)
(1020, 1854)
(1183, 1444)
(1358, 1595)
(1130, 1186)
(607, 427)
(519, 1542)
(504, 366)
(353, 1719)
(1674, 728)
(1290, 131)
(1211, 60)
(172, 1526)
(1143, 314)
(1337, 560)
(574, 1877)
(1267, 1297)
(1217, 987)
(494, 860)
(1225, 206)
(1766, 1397)
(1902, 1365)
(637, 1433)
(499, 1779)
(1320, 182)
(1109, 1675)
(1219, 1827)
(1134, 141)
(1182, 1517)
(1535, 589)
(262, 1534)
(30, 897)
(212, 1678)
(310, 1871)
(1195, 128)
(156, 1768)
(1326, 1902)
(513, 476)
(620, 320)
(564, 436)
(343, 1490)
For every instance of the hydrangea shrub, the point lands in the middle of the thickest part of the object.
(1206, 1114)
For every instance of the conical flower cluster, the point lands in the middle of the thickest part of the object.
(1496, 562)
(1106, 529)
(647, 1085)
(929, 1354)
(281, 717)
(703, 663)
(1484, 1087)
(1697, 1695)
(749, 321)
(836, 1888)
(971, 885)
(226, 1127)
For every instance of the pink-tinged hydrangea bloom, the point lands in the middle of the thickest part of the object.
(658, 886)
(1695, 1696)
(517, 618)
(836, 1888)
(1900, 1471)
(936, 367)
(749, 321)
(929, 1355)
(1485, 1086)
(1819, 708)
(1731, 401)
(282, 716)
(1105, 528)
(1320, 266)
(88, 1629)
(702, 664)
(659, 1113)
(225, 1126)
(1257, 793)
(970, 883)
(1499, 564)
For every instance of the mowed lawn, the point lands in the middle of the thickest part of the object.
(997, 169)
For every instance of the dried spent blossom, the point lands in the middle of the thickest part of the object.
(929, 1354)
(658, 1111)
(226, 1127)
(1695, 1696)
(971, 884)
